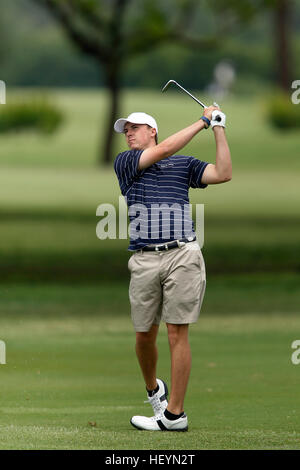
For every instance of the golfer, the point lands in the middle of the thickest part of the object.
(167, 268)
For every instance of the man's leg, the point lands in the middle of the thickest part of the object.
(180, 365)
(146, 351)
(171, 418)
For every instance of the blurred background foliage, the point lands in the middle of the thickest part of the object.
(137, 44)
(36, 113)
(51, 60)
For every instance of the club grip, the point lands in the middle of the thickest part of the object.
(218, 118)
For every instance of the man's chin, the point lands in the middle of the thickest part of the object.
(134, 147)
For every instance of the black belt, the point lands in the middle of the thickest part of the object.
(168, 245)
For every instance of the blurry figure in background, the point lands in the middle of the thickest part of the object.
(224, 77)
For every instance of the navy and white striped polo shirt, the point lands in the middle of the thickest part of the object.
(157, 197)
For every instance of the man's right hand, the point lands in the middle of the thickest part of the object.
(208, 111)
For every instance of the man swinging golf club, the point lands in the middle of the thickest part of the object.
(167, 268)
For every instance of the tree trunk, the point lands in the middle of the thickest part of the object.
(107, 149)
(283, 56)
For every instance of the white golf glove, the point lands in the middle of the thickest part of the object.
(213, 121)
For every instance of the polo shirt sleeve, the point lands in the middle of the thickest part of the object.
(196, 169)
(126, 168)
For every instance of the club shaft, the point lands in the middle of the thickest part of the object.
(190, 94)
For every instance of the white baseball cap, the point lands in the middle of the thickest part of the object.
(135, 118)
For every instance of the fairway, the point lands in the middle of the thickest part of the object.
(72, 381)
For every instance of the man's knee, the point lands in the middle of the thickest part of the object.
(144, 338)
(177, 333)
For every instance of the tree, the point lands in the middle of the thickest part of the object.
(114, 31)
(282, 18)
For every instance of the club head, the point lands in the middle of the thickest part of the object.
(167, 85)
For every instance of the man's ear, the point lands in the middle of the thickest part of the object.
(153, 132)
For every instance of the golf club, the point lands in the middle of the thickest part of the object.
(218, 118)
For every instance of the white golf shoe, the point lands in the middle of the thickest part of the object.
(160, 423)
(159, 400)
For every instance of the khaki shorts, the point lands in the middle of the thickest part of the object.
(166, 285)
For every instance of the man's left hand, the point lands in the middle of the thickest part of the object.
(219, 114)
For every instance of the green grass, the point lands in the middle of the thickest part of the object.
(71, 362)
(44, 247)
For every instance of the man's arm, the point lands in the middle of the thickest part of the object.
(170, 145)
(221, 171)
